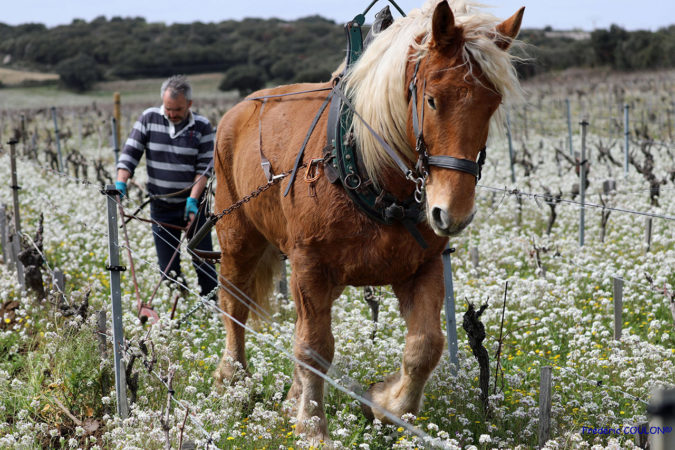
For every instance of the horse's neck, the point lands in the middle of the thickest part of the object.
(393, 181)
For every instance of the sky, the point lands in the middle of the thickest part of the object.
(559, 14)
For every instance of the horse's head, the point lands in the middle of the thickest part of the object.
(457, 91)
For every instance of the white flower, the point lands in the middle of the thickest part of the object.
(484, 439)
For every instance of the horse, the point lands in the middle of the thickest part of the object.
(459, 56)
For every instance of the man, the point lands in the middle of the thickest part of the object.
(178, 145)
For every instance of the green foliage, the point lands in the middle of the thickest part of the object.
(245, 79)
(49, 371)
(79, 72)
(133, 48)
(312, 76)
(636, 50)
(286, 51)
(283, 69)
(616, 48)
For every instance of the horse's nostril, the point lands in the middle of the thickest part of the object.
(440, 218)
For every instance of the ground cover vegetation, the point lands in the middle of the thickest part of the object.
(56, 385)
(254, 52)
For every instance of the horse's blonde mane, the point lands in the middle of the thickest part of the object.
(376, 83)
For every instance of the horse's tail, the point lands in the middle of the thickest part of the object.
(263, 283)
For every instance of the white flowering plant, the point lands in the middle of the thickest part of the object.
(57, 380)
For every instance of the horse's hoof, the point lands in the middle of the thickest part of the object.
(227, 376)
(368, 395)
(322, 441)
(289, 407)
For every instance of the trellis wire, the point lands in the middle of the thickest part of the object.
(505, 192)
(248, 301)
(263, 338)
(535, 196)
(596, 383)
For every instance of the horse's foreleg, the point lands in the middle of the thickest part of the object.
(420, 301)
(314, 346)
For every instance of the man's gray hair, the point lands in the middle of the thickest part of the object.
(177, 84)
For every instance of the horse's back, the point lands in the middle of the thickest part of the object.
(244, 129)
(273, 122)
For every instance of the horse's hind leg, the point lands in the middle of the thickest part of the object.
(247, 280)
(420, 301)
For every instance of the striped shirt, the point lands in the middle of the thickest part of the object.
(173, 158)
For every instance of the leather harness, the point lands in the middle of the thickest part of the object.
(341, 156)
(346, 163)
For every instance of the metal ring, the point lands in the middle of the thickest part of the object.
(351, 186)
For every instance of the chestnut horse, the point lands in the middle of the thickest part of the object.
(464, 74)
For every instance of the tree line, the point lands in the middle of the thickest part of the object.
(253, 52)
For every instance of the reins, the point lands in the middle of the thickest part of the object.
(151, 197)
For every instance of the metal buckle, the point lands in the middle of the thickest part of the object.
(314, 170)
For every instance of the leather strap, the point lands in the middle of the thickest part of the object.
(449, 162)
(298, 159)
(397, 159)
(264, 162)
(442, 161)
(331, 135)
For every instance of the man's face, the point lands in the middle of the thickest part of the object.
(176, 108)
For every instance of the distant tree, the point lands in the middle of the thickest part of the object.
(312, 76)
(606, 44)
(280, 51)
(245, 79)
(283, 70)
(638, 52)
(79, 72)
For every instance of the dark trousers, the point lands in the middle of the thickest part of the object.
(167, 239)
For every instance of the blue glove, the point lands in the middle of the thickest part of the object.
(190, 207)
(122, 187)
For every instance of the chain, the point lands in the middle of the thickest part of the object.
(198, 306)
(420, 184)
(247, 198)
(262, 188)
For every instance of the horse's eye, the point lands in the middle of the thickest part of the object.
(431, 102)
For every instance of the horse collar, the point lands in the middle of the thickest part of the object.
(346, 166)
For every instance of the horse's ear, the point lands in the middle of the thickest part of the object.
(508, 29)
(443, 25)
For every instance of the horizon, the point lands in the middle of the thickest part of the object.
(110, 18)
(574, 15)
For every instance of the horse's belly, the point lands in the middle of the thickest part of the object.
(386, 255)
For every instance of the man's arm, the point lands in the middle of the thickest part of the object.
(204, 157)
(198, 187)
(133, 150)
(123, 175)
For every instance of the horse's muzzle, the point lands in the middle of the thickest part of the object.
(444, 225)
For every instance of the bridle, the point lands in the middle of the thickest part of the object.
(424, 161)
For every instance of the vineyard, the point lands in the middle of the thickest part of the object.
(57, 383)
